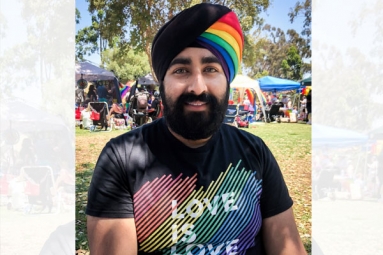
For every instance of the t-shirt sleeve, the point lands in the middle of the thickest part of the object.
(109, 194)
(275, 196)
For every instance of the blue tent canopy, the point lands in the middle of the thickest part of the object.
(336, 137)
(269, 83)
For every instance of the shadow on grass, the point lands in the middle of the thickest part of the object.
(82, 184)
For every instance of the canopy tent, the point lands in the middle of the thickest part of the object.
(241, 81)
(306, 82)
(21, 116)
(336, 137)
(20, 120)
(147, 80)
(343, 143)
(269, 83)
(89, 72)
(376, 133)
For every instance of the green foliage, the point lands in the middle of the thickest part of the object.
(303, 8)
(277, 54)
(77, 16)
(349, 96)
(126, 63)
(92, 38)
(136, 22)
(86, 42)
(292, 65)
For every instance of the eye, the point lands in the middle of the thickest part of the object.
(180, 71)
(211, 70)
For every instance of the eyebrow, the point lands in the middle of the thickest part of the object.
(187, 61)
(210, 60)
(180, 60)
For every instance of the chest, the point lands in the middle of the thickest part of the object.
(201, 202)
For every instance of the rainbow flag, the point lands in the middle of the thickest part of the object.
(125, 88)
(250, 96)
(263, 98)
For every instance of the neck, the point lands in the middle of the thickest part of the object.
(190, 143)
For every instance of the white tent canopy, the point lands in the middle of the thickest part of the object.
(91, 72)
(241, 81)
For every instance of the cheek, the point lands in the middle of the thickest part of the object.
(219, 87)
(172, 89)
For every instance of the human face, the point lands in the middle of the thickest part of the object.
(195, 94)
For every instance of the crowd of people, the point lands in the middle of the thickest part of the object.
(338, 176)
(118, 113)
(97, 92)
(301, 108)
(38, 173)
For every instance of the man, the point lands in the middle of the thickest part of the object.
(186, 183)
(102, 93)
(80, 96)
(285, 100)
(246, 103)
(154, 106)
(308, 107)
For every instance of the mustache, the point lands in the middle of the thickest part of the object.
(189, 97)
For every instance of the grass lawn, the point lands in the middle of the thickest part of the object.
(289, 142)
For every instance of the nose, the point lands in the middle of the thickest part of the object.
(197, 84)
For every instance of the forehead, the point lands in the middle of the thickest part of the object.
(194, 52)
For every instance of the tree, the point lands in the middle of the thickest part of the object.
(38, 61)
(303, 8)
(136, 22)
(126, 64)
(90, 39)
(292, 65)
(77, 16)
(277, 54)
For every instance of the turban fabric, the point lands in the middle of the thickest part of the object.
(211, 26)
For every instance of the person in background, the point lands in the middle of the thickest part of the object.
(284, 100)
(246, 103)
(289, 103)
(113, 93)
(303, 104)
(274, 98)
(150, 100)
(155, 105)
(117, 112)
(295, 110)
(187, 183)
(308, 107)
(80, 96)
(102, 93)
(92, 95)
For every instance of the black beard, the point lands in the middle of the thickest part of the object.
(194, 125)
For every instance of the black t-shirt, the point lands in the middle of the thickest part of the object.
(155, 104)
(212, 198)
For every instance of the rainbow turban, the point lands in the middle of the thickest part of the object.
(211, 26)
